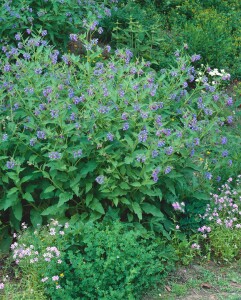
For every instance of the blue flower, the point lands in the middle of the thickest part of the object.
(73, 37)
(100, 179)
(125, 126)
(32, 141)
(155, 174)
(155, 153)
(169, 150)
(4, 137)
(110, 136)
(77, 153)
(142, 137)
(10, 164)
(225, 153)
(168, 170)
(224, 140)
(41, 135)
(54, 155)
(208, 175)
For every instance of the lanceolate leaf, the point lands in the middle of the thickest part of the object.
(152, 209)
(18, 211)
(35, 218)
(64, 197)
(137, 210)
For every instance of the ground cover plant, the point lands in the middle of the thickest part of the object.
(86, 261)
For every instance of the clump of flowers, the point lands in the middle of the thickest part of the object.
(178, 206)
(42, 259)
(223, 218)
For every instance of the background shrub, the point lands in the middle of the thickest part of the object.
(53, 19)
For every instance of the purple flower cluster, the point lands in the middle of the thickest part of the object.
(178, 206)
(224, 209)
(78, 153)
(141, 158)
(54, 155)
(41, 135)
(155, 174)
(195, 57)
(142, 137)
(10, 164)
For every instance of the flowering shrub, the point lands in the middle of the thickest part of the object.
(223, 218)
(76, 261)
(83, 135)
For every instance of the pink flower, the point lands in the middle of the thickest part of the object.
(44, 279)
(58, 287)
(1, 286)
(55, 278)
(177, 227)
(52, 231)
(195, 246)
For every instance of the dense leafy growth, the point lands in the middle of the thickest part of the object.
(119, 116)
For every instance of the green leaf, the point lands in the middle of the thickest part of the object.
(124, 186)
(170, 186)
(89, 198)
(49, 189)
(128, 160)
(54, 210)
(64, 197)
(35, 218)
(18, 211)
(28, 197)
(148, 182)
(97, 206)
(125, 201)
(72, 168)
(135, 184)
(129, 142)
(12, 191)
(151, 193)
(9, 201)
(201, 196)
(137, 210)
(89, 167)
(88, 187)
(26, 178)
(116, 201)
(152, 209)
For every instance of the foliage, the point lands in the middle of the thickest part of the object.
(211, 28)
(87, 261)
(53, 19)
(221, 234)
(83, 135)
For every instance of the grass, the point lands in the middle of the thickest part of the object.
(201, 281)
